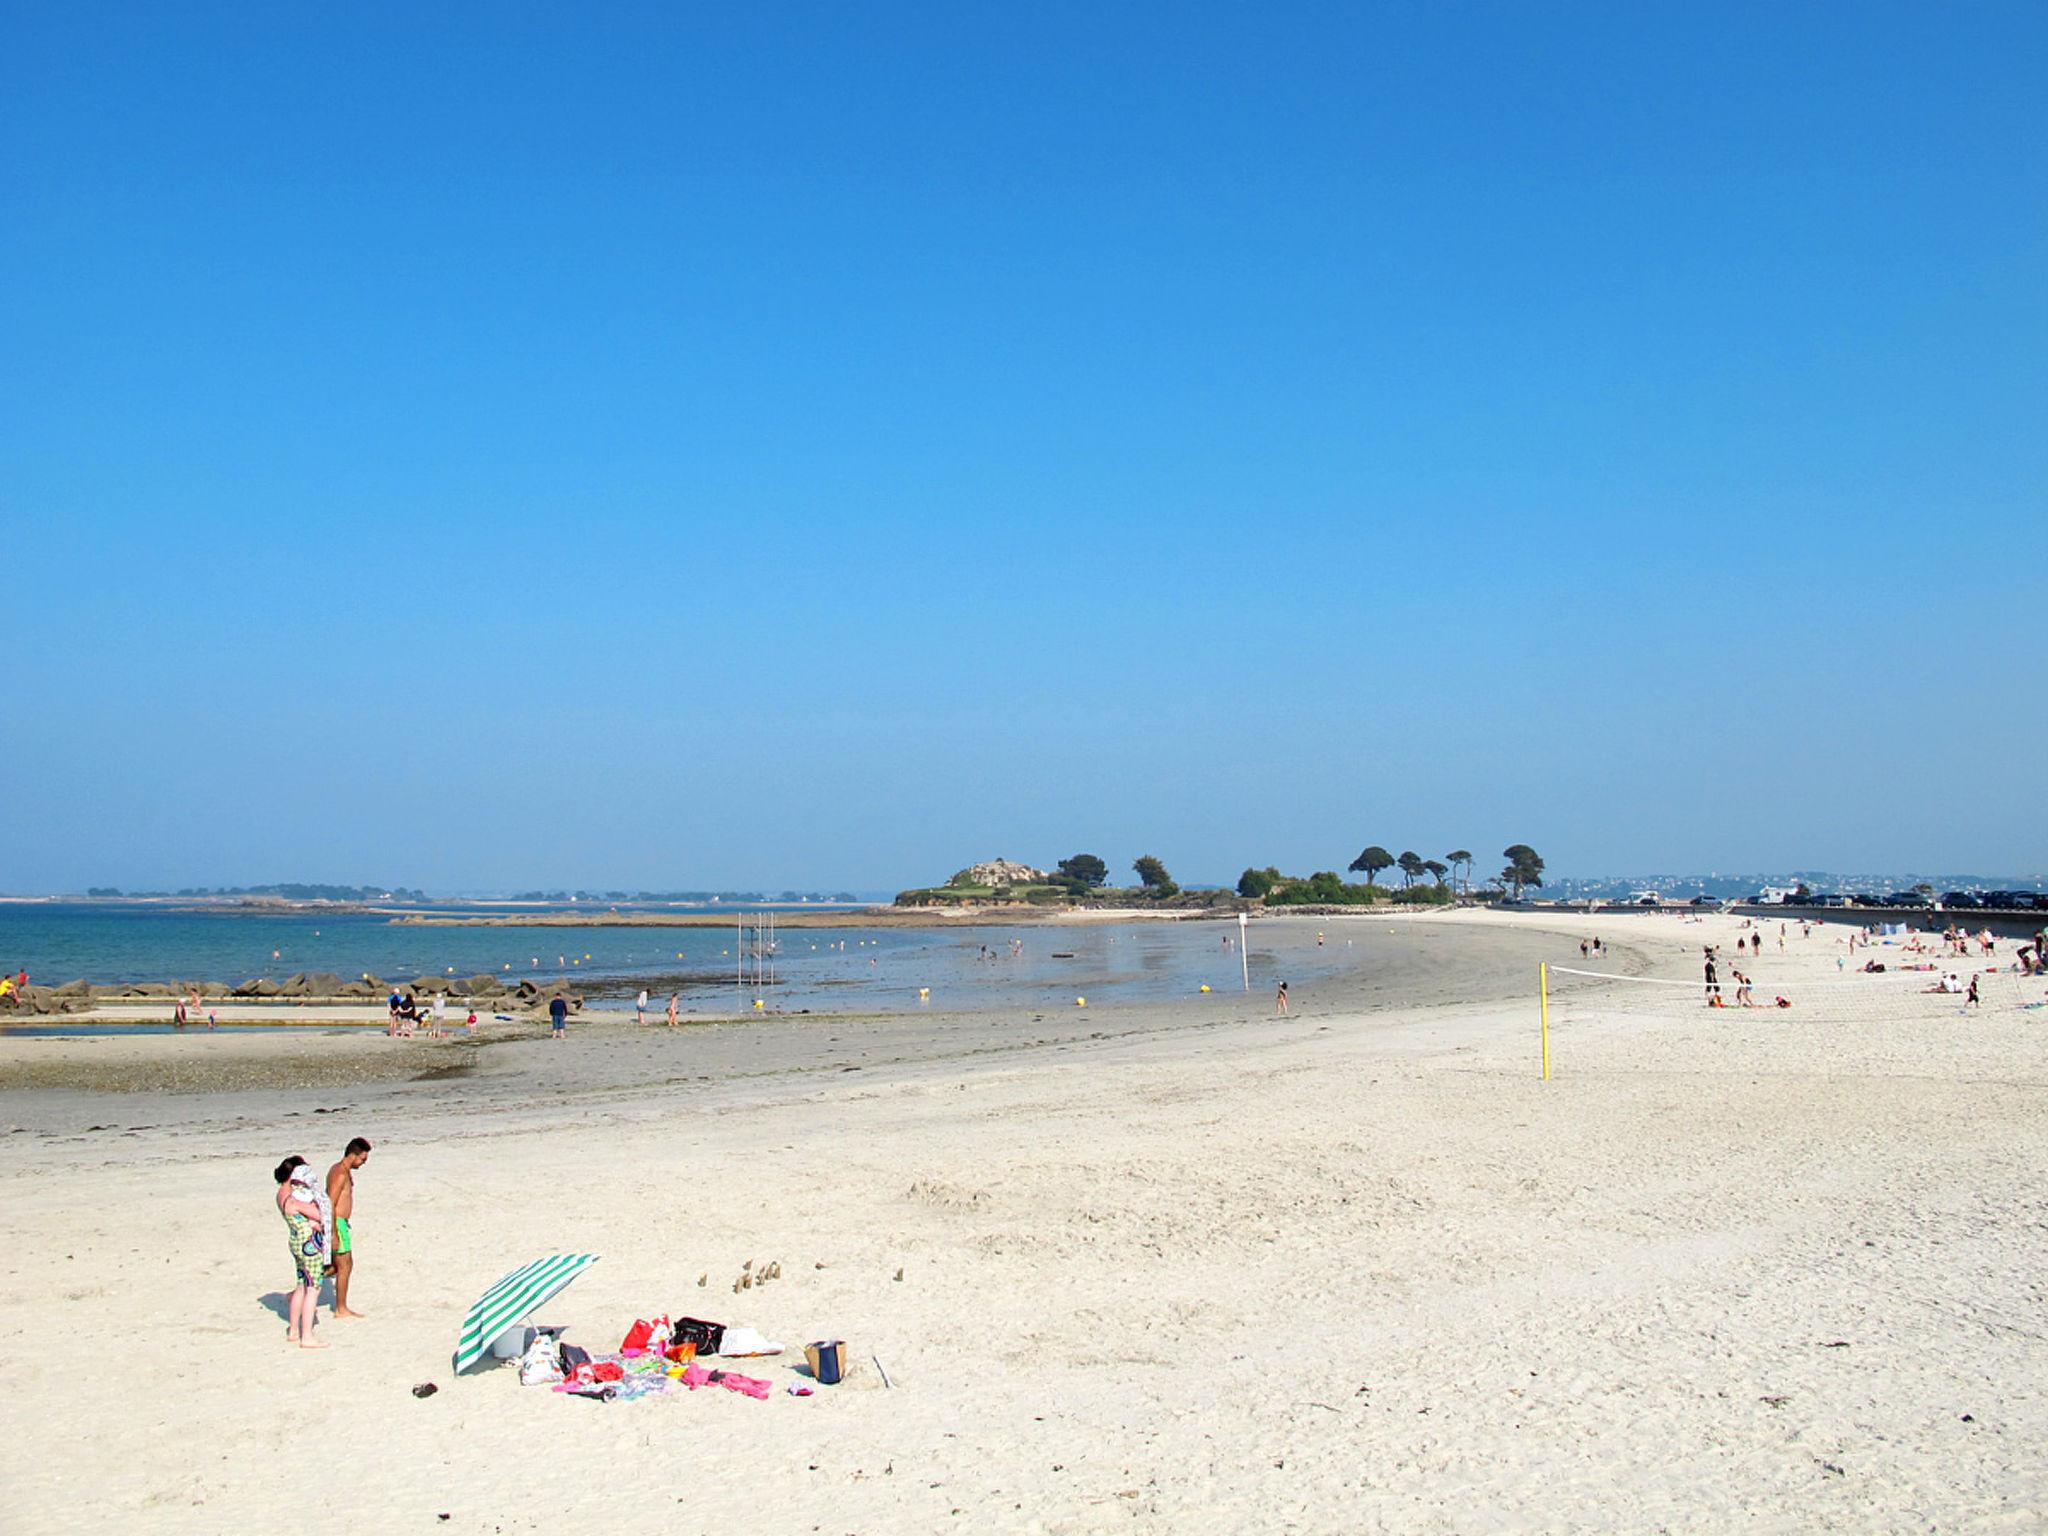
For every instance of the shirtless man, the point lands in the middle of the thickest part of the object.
(341, 1194)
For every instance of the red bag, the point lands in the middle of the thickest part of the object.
(638, 1335)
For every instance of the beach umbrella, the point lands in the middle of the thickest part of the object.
(512, 1298)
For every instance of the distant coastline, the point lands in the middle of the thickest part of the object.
(854, 917)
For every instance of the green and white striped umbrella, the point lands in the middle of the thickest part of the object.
(512, 1298)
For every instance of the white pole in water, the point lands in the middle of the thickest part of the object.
(1243, 960)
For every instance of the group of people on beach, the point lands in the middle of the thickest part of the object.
(406, 1015)
(318, 1229)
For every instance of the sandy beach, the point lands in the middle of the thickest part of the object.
(1162, 1265)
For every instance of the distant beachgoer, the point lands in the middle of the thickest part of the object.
(1584, 949)
(341, 1195)
(640, 1007)
(440, 1012)
(308, 1247)
(1280, 1000)
(211, 1021)
(672, 1010)
(558, 1015)
(472, 1021)
(1972, 999)
(1713, 981)
(1742, 997)
(179, 1017)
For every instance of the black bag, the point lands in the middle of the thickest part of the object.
(573, 1355)
(694, 1330)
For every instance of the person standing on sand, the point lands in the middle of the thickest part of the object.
(640, 1008)
(1713, 979)
(1280, 1000)
(341, 1194)
(672, 1010)
(558, 1015)
(303, 1234)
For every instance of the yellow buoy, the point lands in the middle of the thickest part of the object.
(1080, 1002)
(1205, 986)
(757, 1002)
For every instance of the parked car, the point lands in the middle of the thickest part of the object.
(2008, 901)
(1826, 899)
(1707, 901)
(1964, 901)
(1908, 899)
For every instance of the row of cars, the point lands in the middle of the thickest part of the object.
(1949, 901)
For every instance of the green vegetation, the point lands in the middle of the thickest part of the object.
(1371, 862)
(1085, 870)
(1153, 877)
(1525, 867)
(964, 894)
(1424, 882)
(1462, 856)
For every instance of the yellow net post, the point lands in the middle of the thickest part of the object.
(1543, 987)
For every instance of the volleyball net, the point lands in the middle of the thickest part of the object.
(1937, 989)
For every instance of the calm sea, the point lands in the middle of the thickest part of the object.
(835, 969)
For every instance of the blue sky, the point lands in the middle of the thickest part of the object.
(824, 445)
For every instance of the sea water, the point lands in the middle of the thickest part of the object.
(851, 969)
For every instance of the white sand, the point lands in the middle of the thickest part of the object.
(1348, 1272)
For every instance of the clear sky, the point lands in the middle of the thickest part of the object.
(488, 446)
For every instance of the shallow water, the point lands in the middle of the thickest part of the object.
(882, 969)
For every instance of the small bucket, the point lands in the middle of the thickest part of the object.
(827, 1360)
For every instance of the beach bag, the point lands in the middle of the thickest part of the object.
(694, 1330)
(574, 1358)
(827, 1360)
(541, 1365)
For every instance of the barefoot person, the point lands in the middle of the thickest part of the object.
(1280, 1000)
(341, 1194)
(301, 1212)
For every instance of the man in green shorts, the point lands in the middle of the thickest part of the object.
(341, 1194)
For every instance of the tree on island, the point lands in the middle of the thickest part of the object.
(1153, 876)
(1411, 868)
(1462, 856)
(1372, 861)
(1525, 867)
(1085, 868)
(1257, 884)
(1437, 869)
